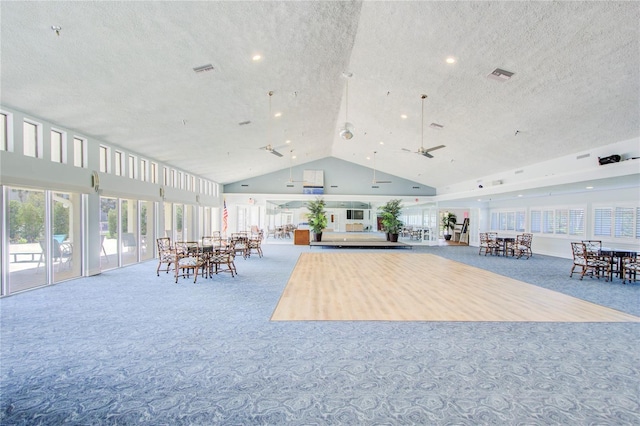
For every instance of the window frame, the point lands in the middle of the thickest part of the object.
(38, 148)
(104, 158)
(117, 163)
(6, 134)
(132, 166)
(61, 150)
(83, 152)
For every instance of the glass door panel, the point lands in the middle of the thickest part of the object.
(168, 221)
(129, 231)
(67, 241)
(109, 233)
(28, 261)
(178, 222)
(147, 220)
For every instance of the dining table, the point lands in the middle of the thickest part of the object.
(617, 255)
(503, 242)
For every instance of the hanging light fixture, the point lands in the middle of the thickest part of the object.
(346, 132)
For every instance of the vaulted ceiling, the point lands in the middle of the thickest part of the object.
(123, 73)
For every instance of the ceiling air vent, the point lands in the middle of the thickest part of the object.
(244, 184)
(580, 157)
(416, 187)
(203, 68)
(500, 75)
(375, 186)
(334, 186)
(244, 123)
(289, 185)
(436, 126)
(519, 171)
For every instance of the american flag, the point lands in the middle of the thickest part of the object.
(225, 216)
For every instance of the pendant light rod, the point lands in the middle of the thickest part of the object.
(346, 105)
(347, 132)
(269, 122)
(422, 123)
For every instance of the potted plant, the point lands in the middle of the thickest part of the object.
(317, 217)
(390, 219)
(449, 221)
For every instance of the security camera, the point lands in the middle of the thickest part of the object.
(480, 186)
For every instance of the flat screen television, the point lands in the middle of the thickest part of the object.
(355, 214)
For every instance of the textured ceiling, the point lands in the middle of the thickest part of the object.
(123, 72)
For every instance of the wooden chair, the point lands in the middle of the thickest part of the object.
(240, 242)
(166, 253)
(488, 244)
(189, 260)
(271, 232)
(521, 246)
(589, 263)
(222, 260)
(630, 268)
(593, 246)
(255, 244)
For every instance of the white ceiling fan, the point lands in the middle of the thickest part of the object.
(270, 148)
(375, 181)
(422, 151)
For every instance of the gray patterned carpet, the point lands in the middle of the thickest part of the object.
(127, 347)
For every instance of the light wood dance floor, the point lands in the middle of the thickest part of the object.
(421, 287)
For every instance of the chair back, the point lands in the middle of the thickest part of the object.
(593, 246)
(524, 239)
(164, 244)
(579, 252)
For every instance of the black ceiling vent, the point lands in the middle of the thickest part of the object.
(203, 68)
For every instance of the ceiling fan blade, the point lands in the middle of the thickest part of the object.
(425, 154)
(434, 148)
(276, 153)
(405, 149)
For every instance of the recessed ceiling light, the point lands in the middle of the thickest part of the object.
(381, 142)
(277, 114)
(519, 195)
(293, 157)
(589, 187)
(256, 58)
(287, 141)
(368, 158)
(451, 60)
(403, 116)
